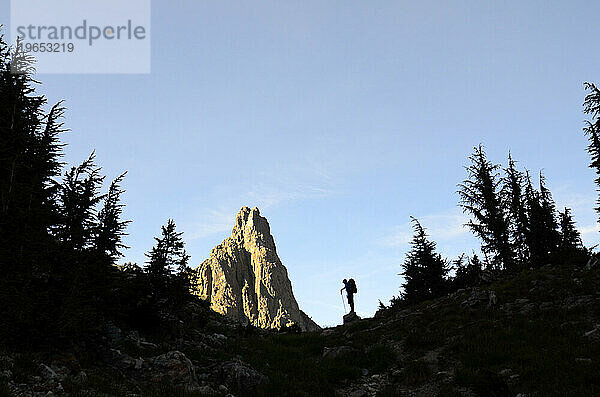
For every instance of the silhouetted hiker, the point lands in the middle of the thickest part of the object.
(350, 287)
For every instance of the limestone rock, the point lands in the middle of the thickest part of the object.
(351, 317)
(244, 278)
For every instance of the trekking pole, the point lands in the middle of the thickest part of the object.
(344, 303)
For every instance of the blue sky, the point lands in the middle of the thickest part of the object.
(339, 120)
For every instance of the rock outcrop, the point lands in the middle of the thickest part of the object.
(244, 278)
(351, 317)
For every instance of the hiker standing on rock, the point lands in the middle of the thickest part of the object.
(350, 287)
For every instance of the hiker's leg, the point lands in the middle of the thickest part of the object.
(351, 302)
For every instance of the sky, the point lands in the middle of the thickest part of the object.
(339, 120)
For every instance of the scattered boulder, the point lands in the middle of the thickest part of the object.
(47, 372)
(339, 352)
(328, 332)
(237, 375)
(593, 334)
(359, 393)
(351, 317)
(592, 263)
(476, 298)
(172, 367)
(121, 361)
(206, 390)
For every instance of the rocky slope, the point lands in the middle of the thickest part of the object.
(537, 334)
(244, 278)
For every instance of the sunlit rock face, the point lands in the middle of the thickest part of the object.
(244, 278)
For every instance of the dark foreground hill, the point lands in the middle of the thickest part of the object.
(540, 336)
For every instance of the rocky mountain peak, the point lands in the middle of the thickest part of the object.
(250, 227)
(244, 278)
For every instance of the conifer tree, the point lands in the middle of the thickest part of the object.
(480, 197)
(467, 272)
(591, 106)
(424, 270)
(516, 211)
(111, 229)
(536, 246)
(30, 154)
(551, 234)
(570, 238)
(165, 258)
(29, 162)
(543, 236)
(79, 196)
(53, 281)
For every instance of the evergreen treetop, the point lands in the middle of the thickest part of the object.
(479, 196)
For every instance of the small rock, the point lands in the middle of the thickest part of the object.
(351, 317)
(595, 333)
(521, 301)
(147, 345)
(47, 372)
(592, 263)
(365, 372)
(475, 298)
(174, 367)
(338, 352)
(506, 372)
(239, 376)
(328, 332)
(527, 309)
(206, 390)
(80, 378)
(359, 393)
(584, 360)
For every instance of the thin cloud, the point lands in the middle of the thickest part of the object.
(212, 222)
(311, 183)
(266, 196)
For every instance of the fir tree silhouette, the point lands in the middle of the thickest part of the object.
(591, 107)
(479, 196)
(424, 270)
(516, 211)
(166, 258)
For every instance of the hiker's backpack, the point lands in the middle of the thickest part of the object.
(352, 286)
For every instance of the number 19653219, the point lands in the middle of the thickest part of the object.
(48, 47)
